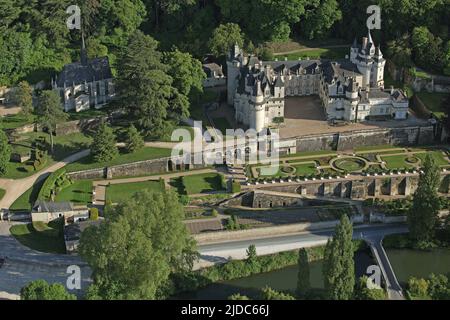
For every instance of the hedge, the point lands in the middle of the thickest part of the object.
(55, 179)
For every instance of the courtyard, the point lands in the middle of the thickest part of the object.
(306, 116)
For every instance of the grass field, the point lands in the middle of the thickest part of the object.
(2, 193)
(119, 192)
(63, 147)
(146, 153)
(397, 162)
(437, 156)
(14, 121)
(41, 236)
(305, 169)
(26, 200)
(202, 183)
(433, 102)
(79, 193)
(324, 53)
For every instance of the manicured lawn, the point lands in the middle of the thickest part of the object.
(305, 169)
(26, 200)
(2, 193)
(436, 155)
(41, 236)
(433, 101)
(146, 153)
(80, 192)
(119, 192)
(324, 53)
(396, 162)
(202, 183)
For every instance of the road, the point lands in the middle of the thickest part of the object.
(15, 188)
(220, 252)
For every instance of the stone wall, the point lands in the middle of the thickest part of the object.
(317, 142)
(140, 168)
(264, 200)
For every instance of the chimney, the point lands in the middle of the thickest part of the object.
(364, 42)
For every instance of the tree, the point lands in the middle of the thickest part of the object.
(417, 288)
(50, 112)
(320, 16)
(140, 243)
(270, 294)
(423, 215)
(238, 296)
(5, 152)
(186, 71)
(224, 38)
(143, 85)
(338, 267)
(363, 292)
(23, 97)
(303, 283)
(104, 146)
(42, 290)
(133, 140)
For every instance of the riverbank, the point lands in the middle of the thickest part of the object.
(186, 285)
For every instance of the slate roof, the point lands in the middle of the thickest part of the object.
(72, 232)
(78, 73)
(49, 206)
(210, 68)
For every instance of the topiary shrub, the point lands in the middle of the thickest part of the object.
(235, 187)
(93, 214)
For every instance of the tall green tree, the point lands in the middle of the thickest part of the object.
(363, 292)
(104, 146)
(143, 85)
(23, 97)
(186, 71)
(423, 215)
(5, 152)
(133, 140)
(224, 38)
(339, 267)
(320, 16)
(303, 283)
(50, 112)
(42, 290)
(269, 294)
(141, 242)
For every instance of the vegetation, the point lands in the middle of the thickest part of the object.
(364, 292)
(27, 199)
(42, 290)
(120, 192)
(137, 264)
(2, 193)
(303, 283)
(422, 217)
(50, 113)
(104, 147)
(93, 214)
(5, 152)
(338, 267)
(54, 182)
(224, 37)
(436, 287)
(79, 192)
(203, 183)
(41, 236)
(270, 294)
(133, 140)
(23, 97)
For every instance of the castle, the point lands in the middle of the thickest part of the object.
(351, 89)
(85, 84)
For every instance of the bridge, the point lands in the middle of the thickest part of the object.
(393, 288)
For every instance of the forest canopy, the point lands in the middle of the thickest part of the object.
(35, 42)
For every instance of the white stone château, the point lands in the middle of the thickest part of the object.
(351, 89)
(85, 84)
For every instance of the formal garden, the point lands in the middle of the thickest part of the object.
(365, 160)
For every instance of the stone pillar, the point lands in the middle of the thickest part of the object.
(393, 188)
(407, 186)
